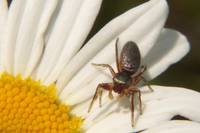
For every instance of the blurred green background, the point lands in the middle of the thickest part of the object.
(185, 17)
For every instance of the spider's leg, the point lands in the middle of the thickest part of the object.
(117, 55)
(106, 66)
(132, 91)
(146, 82)
(132, 109)
(99, 92)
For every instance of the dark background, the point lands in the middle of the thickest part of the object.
(184, 16)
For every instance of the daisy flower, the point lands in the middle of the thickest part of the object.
(47, 80)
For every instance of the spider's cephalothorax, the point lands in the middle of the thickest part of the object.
(126, 79)
(121, 81)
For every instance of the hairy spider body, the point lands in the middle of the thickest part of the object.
(126, 79)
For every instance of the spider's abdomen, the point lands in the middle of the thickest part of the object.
(130, 57)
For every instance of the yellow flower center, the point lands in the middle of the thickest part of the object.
(28, 106)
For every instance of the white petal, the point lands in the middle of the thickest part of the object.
(143, 32)
(175, 127)
(58, 34)
(134, 26)
(3, 18)
(88, 14)
(158, 107)
(10, 34)
(27, 34)
(170, 48)
(78, 24)
(117, 125)
(54, 18)
(39, 39)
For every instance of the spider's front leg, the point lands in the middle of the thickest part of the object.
(99, 92)
(106, 66)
